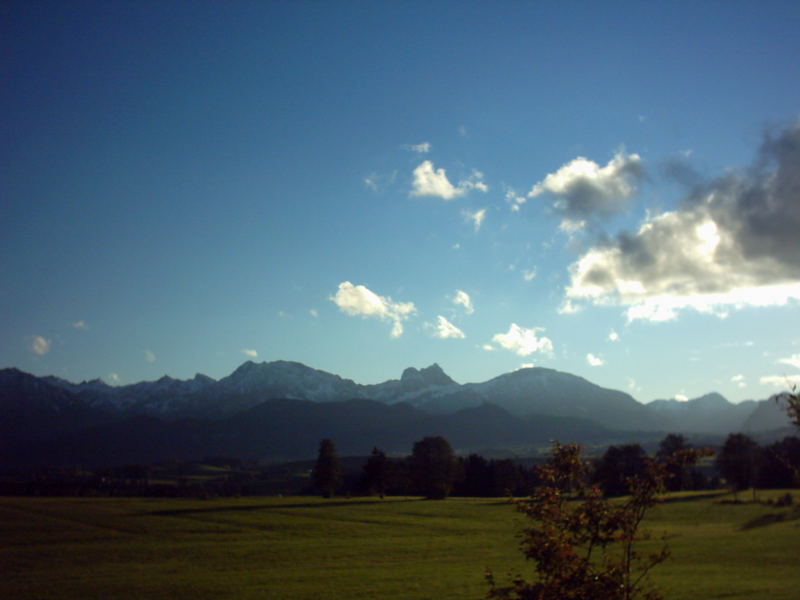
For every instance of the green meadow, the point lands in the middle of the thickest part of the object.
(360, 548)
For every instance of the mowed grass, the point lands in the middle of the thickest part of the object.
(397, 548)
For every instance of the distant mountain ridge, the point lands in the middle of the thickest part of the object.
(521, 404)
(524, 392)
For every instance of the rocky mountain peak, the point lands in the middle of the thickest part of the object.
(419, 378)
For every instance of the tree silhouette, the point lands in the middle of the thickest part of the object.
(617, 465)
(434, 467)
(780, 464)
(737, 461)
(376, 473)
(327, 474)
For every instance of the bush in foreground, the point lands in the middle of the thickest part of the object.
(582, 543)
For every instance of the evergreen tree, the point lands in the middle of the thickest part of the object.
(434, 467)
(327, 475)
(375, 475)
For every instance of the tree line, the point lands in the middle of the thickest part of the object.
(434, 471)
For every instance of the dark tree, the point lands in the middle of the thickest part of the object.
(737, 461)
(671, 453)
(504, 477)
(434, 467)
(376, 473)
(477, 479)
(780, 464)
(327, 475)
(617, 466)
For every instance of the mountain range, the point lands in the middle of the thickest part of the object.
(280, 410)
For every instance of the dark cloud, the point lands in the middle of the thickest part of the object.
(585, 190)
(733, 235)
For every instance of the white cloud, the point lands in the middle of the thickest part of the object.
(149, 356)
(462, 299)
(584, 189)
(525, 366)
(81, 324)
(523, 341)
(739, 381)
(476, 216)
(594, 361)
(571, 226)
(113, 378)
(613, 336)
(780, 381)
(444, 329)
(514, 199)
(475, 181)
(793, 360)
(250, 352)
(429, 181)
(529, 274)
(488, 347)
(568, 307)
(632, 385)
(40, 345)
(421, 148)
(313, 312)
(732, 243)
(681, 398)
(357, 300)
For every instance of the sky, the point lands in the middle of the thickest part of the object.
(609, 189)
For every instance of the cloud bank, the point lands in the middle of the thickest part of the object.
(358, 300)
(730, 244)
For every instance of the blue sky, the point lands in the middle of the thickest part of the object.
(607, 189)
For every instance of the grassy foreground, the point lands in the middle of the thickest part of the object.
(304, 548)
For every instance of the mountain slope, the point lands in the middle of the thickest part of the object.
(710, 413)
(32, 408)
(286, 429)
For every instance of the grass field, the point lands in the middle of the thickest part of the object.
(304, 548)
